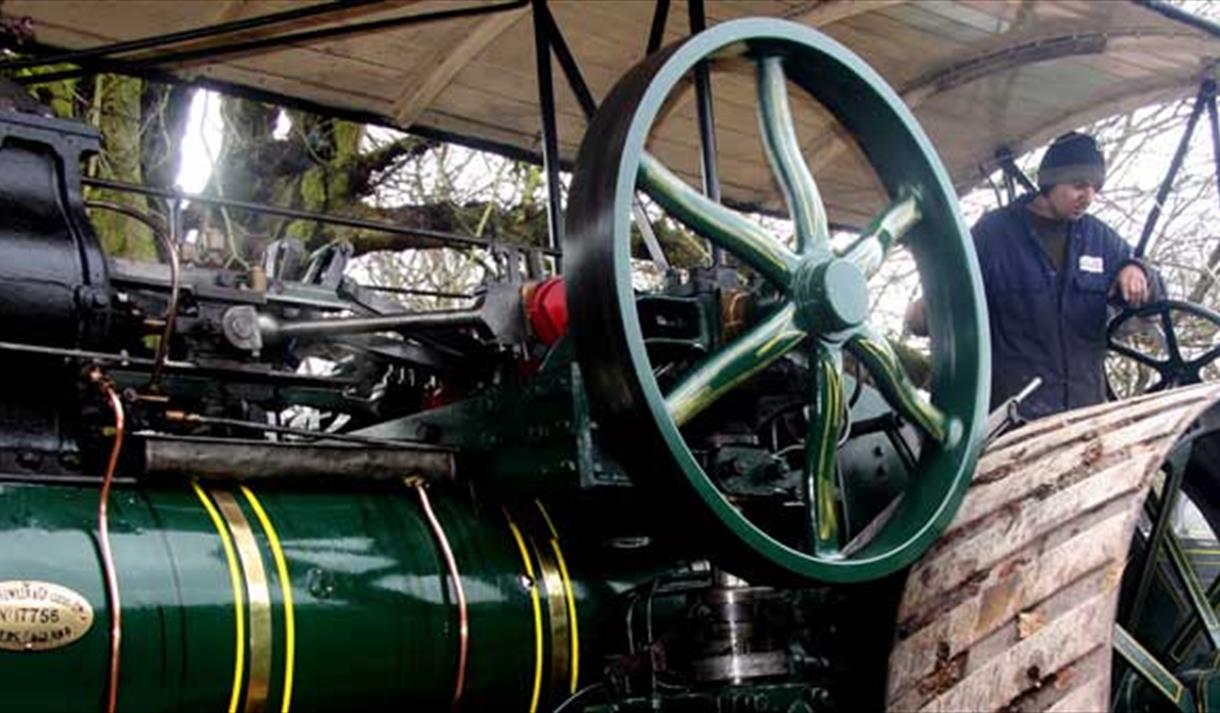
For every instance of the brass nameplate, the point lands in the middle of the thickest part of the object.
(39, 616)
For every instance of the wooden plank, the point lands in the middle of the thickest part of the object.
(961, 13)
(937, 25)
(448, 63)
(1020, 591)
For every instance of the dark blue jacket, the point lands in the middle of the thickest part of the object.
(1042, 326)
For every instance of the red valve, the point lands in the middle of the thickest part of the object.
(546, 307)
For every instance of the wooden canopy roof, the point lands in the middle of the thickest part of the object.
(979, 74)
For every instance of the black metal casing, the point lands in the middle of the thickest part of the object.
(56, 284)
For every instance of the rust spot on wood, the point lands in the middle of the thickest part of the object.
(932, 610)
(1092, 453)
(1011, 566)
(997, 473)
(947, 672)
(1029, 623)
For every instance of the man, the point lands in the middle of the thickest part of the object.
(1049, 270)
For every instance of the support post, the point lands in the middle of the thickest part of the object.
(1207, 90)
(567, 63)
(657, 33)
(1215, 127)
(1012, 174)
(550, 141)
(707, 120)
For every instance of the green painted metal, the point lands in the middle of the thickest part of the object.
(613, 164)
(741, 359)
(375, 620)
(826, 424)
(1189, 580)
(1150, 669)
(784, 154)
(515, 439)
(876, 353)
(723, 226)
(831, 295)
(869, 249)
(1162, 512)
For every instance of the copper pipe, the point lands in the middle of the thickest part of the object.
(103, 528)
(168, 243)
(463, 619)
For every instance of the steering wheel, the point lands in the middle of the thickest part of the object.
(821, 309)
(1176, 369)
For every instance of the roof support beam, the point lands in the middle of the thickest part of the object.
(413, 102)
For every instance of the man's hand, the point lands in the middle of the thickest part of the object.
(1132, 285)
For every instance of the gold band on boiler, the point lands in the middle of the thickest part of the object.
(260, 600)
(239, 607)
(281, 568)
(568, 595)
(557, 610)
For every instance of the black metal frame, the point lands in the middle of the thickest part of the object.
(1206, 98)
(1012, 174)
(550, 130)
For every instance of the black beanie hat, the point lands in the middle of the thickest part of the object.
(1072, 158)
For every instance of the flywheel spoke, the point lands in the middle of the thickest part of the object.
(827, 419)
(1171, 338)
(869, 250)
(1138, 356)
(738, 361)
(723, 226)
(784, 154)
(879, 358)
(1208, 357)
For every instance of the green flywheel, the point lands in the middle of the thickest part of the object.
(822, 309)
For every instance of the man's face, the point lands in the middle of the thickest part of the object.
(1069, 201)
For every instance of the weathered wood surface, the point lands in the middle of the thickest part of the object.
(1012, 609)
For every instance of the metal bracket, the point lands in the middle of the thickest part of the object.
(1008, 415)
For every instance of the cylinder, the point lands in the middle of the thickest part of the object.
(238, 597)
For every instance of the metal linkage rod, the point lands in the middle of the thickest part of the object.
(361, 325)
(1206, 90)
(550, 138)
(423, 233)
(274, 42)
(197, 33)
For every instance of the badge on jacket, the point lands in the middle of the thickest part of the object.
(1092, 263)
